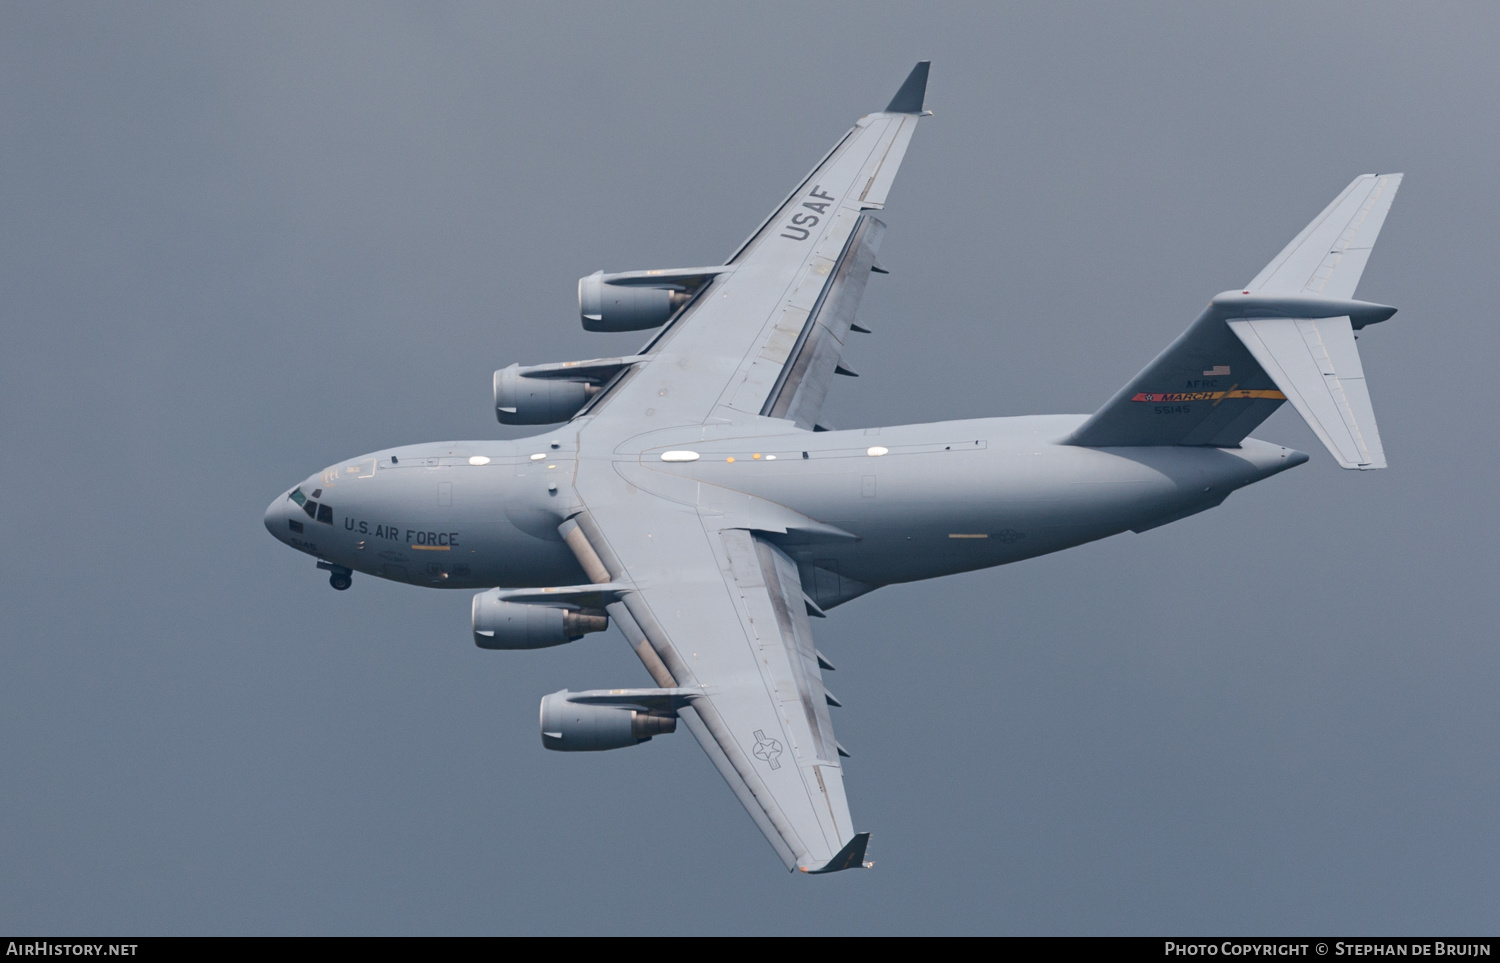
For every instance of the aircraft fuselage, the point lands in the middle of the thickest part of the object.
(907, 502)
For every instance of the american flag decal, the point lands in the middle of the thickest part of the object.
(1216, 370)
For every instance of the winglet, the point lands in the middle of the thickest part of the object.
(913, 92)
(852, 856)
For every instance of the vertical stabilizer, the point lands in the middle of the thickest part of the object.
(1288, 335)
(1328, 257)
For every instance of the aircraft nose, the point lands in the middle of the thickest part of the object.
(276, 516)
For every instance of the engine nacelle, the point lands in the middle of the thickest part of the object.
(544, 394)
(636, 300)
(499, 624)
(520, 400)
(616, 307)
(570, 724)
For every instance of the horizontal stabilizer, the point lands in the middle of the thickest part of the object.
(1315, 363)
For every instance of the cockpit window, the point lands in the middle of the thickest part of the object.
(318, 513)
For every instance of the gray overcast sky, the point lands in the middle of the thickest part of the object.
(239, 242)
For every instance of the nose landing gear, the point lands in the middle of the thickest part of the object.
(341, 578)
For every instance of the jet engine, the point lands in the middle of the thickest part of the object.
(605, 719)
(637, 300)
(499, 624)
(520, 400)
(545, 394)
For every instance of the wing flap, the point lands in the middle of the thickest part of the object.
(769, 587)
(800, 377)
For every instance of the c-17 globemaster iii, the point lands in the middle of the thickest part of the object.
(690, 496)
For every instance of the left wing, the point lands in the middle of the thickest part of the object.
(766, 337)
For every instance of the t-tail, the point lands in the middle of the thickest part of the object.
(1288, 335)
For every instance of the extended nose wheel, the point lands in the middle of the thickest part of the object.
(341, 578)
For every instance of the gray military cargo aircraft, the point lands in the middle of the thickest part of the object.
(691, 497)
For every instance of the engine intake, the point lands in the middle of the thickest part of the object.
(602, 719)
(499, 624)
(637, 300)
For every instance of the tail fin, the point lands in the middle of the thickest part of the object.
(1287, 336)
(1328, 257)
